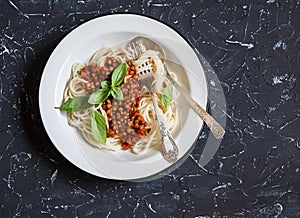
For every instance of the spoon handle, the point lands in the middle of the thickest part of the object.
(213, 125)
(169, 147)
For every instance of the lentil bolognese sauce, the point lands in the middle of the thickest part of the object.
(129, 121)
(123, 116)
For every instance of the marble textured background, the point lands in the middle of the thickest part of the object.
(255, 50)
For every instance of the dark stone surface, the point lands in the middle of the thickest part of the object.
(254, 49)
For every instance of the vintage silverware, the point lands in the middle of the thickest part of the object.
(169, 147)
(217, 130)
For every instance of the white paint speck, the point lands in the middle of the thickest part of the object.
(176, 197)
(150, 207)
(280, 44)
(284, 47)
(278, 79)
(248, 45)
(279, 208)
(3, 50)
(53, 177)
(108, 214)
(221, 186)
(213, 83)
(270, 1)
(271, 109)
(286, 97)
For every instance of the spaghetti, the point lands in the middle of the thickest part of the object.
(131, 122)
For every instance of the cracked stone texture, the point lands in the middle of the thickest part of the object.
(254, 49)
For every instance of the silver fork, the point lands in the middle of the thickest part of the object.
(169, 148)
(140, 44)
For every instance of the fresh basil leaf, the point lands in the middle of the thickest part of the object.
(98, 126)
(166, 96)
(105, 84)
(75, 104)
(119, 74)
(117, 93)
(99, 96)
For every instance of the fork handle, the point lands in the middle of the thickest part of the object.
(169, 147)
(213, 125)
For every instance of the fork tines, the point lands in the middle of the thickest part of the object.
(144, 68)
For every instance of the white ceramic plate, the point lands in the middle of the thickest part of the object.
(79, 45)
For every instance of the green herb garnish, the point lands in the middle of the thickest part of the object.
(99, 96)
(119, 75)
(166, 96)
(105, 84)
(117, 93)
(98, 125)
(108, 88)
(76, 104)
